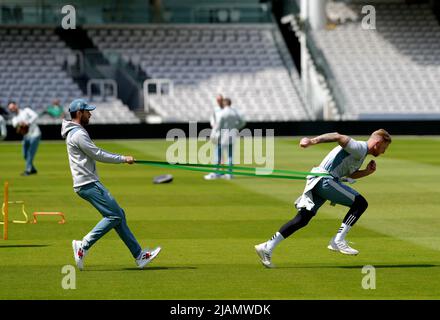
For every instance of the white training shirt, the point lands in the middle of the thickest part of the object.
(229, 121)
(29, 116)
(3, 130)
(83, 153)
(214, 116)
(342, 162)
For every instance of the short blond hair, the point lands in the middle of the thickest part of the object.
(382, 134)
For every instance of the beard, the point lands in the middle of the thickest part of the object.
(84, 121)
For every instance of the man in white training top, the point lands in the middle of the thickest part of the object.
(343, 161)
(82, 156)
(25, 121)
(224, 134)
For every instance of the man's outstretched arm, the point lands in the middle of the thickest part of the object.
(327, 137)
(89, 148)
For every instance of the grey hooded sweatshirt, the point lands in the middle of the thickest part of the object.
(83, 153)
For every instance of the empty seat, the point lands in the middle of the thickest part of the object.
(387, 70)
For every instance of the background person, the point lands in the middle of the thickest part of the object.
(217, 109)
(224, 134)
(213, 122)
(55, 110)
(3, 129)
(25, 122)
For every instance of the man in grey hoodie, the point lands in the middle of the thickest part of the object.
(82, 156)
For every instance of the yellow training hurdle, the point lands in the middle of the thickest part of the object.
(6, 211)
(23, 211)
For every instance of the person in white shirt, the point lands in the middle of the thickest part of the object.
(213, 122)
(3, 131)
(83, 154)
(217, 109)
(224, 134)
(25, 121)
(343, 161)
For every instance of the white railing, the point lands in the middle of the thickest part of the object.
(160, 88)
(105, 88)
(231, 12)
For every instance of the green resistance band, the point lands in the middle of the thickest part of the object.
(295, 175)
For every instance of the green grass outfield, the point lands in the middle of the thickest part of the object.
(208, 229)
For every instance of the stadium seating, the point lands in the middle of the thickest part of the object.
(391, 72)
(33, 73)
(109, 112)
(240, 61)
(31, 69)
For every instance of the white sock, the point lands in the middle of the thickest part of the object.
(342, 232)
(273, 242)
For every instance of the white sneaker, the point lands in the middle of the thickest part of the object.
(227, 176)
(79, 253)
(342, 247)
(212, 176)
(147, 256)
(265, 255)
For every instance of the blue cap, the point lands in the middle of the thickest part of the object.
(80, 105)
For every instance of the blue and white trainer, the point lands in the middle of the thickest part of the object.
(79, 253)
(147, 256)
(265, 255)
(342, 247)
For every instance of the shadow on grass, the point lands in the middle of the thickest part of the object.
(24, 246)
(386, 266)
(163, 268)
(383, 266)
(140, 270)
